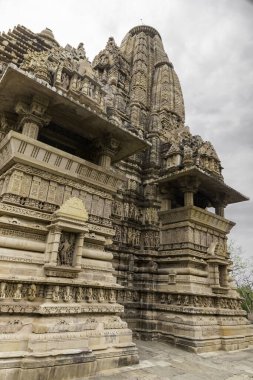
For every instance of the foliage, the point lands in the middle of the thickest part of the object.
(243, 275)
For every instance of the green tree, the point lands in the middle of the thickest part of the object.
(242, 271)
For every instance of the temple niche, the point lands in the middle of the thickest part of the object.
(106, 228)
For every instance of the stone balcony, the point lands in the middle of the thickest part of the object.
(196, 215)
(18, 148)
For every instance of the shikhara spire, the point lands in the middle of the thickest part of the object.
(105, 202)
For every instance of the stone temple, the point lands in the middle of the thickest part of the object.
(111, 211)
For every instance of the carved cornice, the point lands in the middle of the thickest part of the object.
(196, 215)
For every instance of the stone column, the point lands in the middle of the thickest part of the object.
(32, 116)
(216, 275)
(188, 198)
(55, 245)
(30, 127)
(79, 250)
(105, 160)
(166, 199)
(219, 210)
(165, 204)
(220, 204)
(107, 148)
(189, 186)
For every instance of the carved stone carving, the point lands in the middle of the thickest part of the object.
(66, 249)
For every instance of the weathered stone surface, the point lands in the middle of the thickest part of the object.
(160, 361)
(93, 228)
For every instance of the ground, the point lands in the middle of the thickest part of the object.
(162, 361)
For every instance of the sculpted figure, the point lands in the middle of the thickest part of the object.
(66, 249)
(85, 86)
(2, 290)
(17, 295)
(89, 295)
(67, 296)
(56, 294)
(101, 297)
(79, 294)
(81, 51)
(112, 297)
(117, 233)
(146, 239)
(32, 292)
(65, 81)
(186, 300)
(126, 209)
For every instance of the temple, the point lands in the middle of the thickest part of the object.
(111, 212)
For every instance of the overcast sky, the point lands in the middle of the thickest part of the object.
(210, 43)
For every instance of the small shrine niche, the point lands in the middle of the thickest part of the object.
(65, 240)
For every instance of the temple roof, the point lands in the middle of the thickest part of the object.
(65, 111)
(145, 29)
(207, 184)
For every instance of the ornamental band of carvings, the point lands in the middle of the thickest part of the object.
(30, 292)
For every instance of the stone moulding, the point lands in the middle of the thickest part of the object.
(194, 214)
(18, 148)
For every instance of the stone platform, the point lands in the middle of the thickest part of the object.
(160, 361)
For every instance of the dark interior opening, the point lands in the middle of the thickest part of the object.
(201, 200)
(63, 139)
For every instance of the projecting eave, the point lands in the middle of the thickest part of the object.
(208, 184)
(66, 112)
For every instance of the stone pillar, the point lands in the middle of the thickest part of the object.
(216, 275)
(165, 204)
(219, 210)
(55, 245)
(105, 161)
(107, 148)
(79, 250)
(219, 204)
(30, 127)
(166, 198)
(189, 186)
(32, 116)
(188, 198)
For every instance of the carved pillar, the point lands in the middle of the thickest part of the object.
(30, 126)
(219, 210)
(216, 275)
(55, 245)
(107, 148)
(105, 160)
(219, 204)
(166, 199)
(32, 116)
(165, 204)
(188, 198)
(79, 249)
(189, 187)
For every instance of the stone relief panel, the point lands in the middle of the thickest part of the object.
(66, 248)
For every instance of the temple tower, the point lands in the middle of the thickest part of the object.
(170, 247)
(111, 211)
